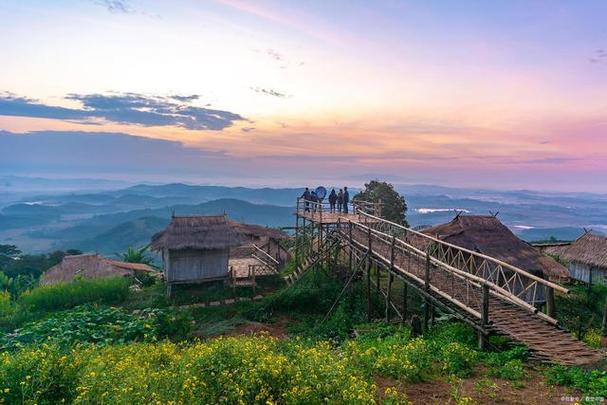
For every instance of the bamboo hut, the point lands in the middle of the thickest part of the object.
(91, 266)
(196, 249)
(487, 235)
(586, 257)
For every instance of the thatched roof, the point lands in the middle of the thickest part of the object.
(90, 266)
(258, 231)
(589, 249)
(487, 235)
(198, 232)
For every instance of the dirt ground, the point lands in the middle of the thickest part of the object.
(277, 329)
(484, 390)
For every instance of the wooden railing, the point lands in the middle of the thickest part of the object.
(509, 282)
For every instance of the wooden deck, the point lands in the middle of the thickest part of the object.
(326, 217)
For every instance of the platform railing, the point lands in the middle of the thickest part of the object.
(306, 207)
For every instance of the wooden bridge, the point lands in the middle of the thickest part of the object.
(492, 296)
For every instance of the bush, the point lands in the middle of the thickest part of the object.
(224, 370)
(6, 309)
(81, 291)
(458, 359)
(99, 326)
(590, 382)
(393, 356)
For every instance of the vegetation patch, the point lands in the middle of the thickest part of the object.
(223, 370)
(68, 295)
(99, 326)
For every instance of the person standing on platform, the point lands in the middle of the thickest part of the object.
(332, 200)
(314, 200)
(346, 200)
(340, 200)
(306, 197)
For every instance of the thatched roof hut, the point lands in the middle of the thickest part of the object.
(90, 266)
(198, 232)
(588, 249)
(197, 248)
(487, 235)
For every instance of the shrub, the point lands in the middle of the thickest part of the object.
(593, 338)
(457, 359)
(81, 291)
(6, 309)
(590, 382)
(394, 356)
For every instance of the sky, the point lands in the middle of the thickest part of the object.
(500, 94)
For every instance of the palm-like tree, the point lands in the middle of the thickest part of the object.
(137, 255)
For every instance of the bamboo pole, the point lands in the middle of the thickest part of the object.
(550, 307)
(604, 325)
(405, 295)
(482, 339)
(369, 300)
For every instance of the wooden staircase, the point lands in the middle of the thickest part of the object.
(312, 259)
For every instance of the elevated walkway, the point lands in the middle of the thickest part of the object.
(492, 296)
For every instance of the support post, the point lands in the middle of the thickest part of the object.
(297, 239)
(369, 300)
(390, 279)
(389, 296)
(550, 308)
(351, 245)
(405, 296)
(427, 288)
(604, 326)
(482, 339)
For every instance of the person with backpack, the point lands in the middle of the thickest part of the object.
(306, 197)
(340, 200)
(332, 200)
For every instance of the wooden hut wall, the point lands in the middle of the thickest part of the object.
(192, 265)
(581, 272)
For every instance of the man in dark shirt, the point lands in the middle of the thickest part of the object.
(346, 200)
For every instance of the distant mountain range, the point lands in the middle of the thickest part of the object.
(110, 220)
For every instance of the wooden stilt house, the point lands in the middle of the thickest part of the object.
(196, 249)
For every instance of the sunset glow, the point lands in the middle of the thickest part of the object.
(494, 94)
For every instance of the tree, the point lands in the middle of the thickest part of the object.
(394, 206)
(137, 255)
(8, 253)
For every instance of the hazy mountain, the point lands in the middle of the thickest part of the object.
(111, 220)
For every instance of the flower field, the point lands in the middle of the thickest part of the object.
(255, 369)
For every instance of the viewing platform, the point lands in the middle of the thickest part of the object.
(321, 213)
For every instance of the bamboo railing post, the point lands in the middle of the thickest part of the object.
(390, 279)
(297, 239)
(427, 289)
(550, 307)
(350, 240)
(482, 339)
(369, 300)
(389, 295)
(604, 325)
(405, 296)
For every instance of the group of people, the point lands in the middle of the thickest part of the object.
(338, 202)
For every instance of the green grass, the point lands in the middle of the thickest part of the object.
(68, 295)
